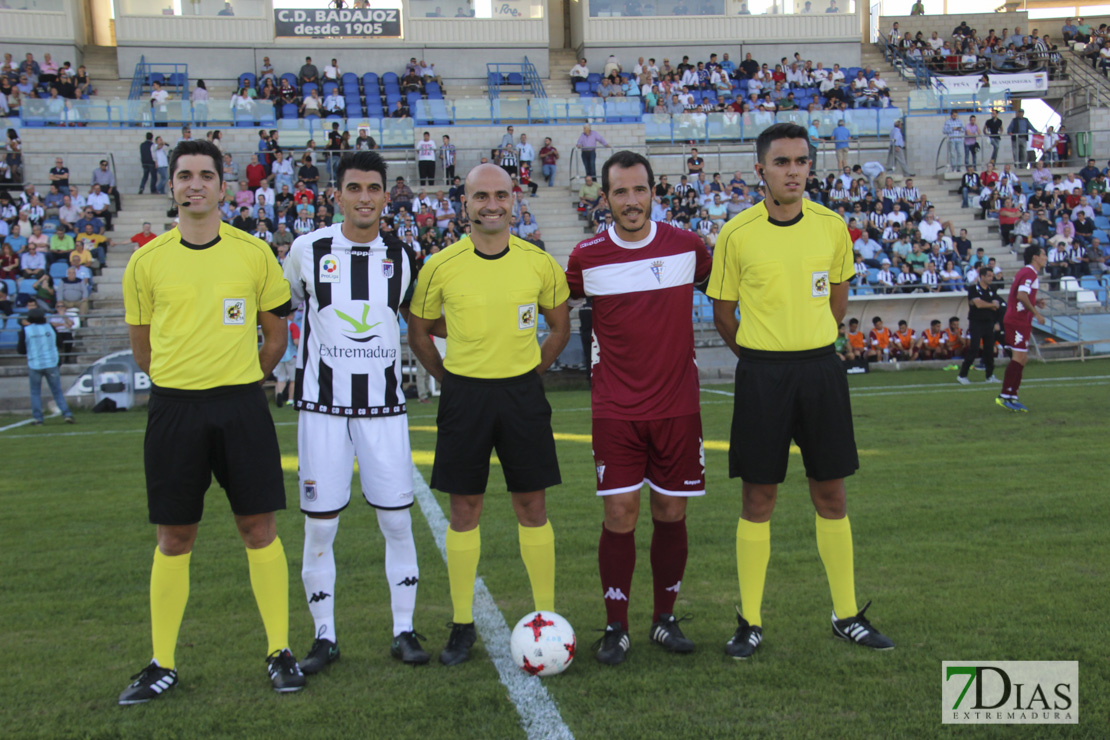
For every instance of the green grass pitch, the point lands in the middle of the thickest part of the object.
(979, 534)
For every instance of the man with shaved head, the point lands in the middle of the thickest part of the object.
(489, 286)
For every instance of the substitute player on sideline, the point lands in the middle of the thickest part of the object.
(646, 412)
(1018, 324)
(490, 285)
(355, 281)
(786, 263)
(193, 298)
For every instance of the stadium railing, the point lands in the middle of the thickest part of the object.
(171, 75)
(1080, 150)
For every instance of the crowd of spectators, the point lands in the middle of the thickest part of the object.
(750, 88)
(313, 91)
(966, 51)
(1092, 44)
(30, 79)
(280, 195)
(1067, 214)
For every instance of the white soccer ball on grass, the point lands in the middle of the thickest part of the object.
(543, 644)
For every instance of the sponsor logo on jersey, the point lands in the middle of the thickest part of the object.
(310, 490)
(235, 311)
(387, 268)
(615, 594)
(526, 316)
(358, 326)
(329, 269)
(657, 270)
(820, 283)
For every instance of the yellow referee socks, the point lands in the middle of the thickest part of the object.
(537, 550)
(753, 550)
(169, 591)
(270, 583)
(834, 543)
(463, 551)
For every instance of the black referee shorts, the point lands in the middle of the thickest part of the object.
(192, 434)
(476, 416)
(784, 396)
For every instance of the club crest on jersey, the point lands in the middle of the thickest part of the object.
(310, 490)
(657, 270)
(526, 316)
(329, 269)
(387, 268)
(235, 311)
(820, 284)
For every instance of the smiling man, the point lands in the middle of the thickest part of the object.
(786, 263)
(355, 281)
(197, 339)
(646, 413)
(490, 285)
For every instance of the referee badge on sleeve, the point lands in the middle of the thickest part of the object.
(526, 316)
(820, 284)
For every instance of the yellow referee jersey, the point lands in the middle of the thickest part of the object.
(781, 275)
(202, 305)
(491, 305)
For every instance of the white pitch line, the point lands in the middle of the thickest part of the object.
(25, 422)
(539, 716)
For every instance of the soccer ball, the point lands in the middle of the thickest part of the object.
(542, 644)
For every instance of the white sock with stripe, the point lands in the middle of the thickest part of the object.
(400, 565)
(318, 573)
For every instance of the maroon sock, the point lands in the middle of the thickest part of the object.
(1012, 380)
(668, 563)
(616, 557)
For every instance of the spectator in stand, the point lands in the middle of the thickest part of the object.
(955, 133)
(971, 143)
(588, 142)
(426, 160)
(92, 248)
(1019, 130)
(106, 179)
(32, 263)
(907, 278)
(144, 237)
(579, 73)
(970, 186)
(308, 72)
(549, 155)
(1008, 216)
(951, 279)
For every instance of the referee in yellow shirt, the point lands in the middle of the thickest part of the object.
(194, 297)
(786, 264)
(490, 286)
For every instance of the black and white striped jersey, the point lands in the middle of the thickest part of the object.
(349, 363)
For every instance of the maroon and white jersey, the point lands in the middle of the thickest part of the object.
(1026, 281)
(643, 364)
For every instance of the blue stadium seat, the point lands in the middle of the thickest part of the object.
(156, 77)
(58, 270)
(1106, 209)
(178, 79)
(292, 78)
(308, 87)
(390, 78)
(329, 88)
(515, 78)
(9, 339)
(1101, 236)
(594, 78)
(349, 78)
(582, 88)
(289, 110)
(1102, 222)
(10, 285)
(27, 286)
(493, 79)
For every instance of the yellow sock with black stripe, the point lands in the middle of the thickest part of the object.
(463, 551)
(753, 551)
(537, 550)
(169, 592)
(270, 583)
(834, 543)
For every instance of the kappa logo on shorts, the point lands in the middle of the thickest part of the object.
(329, 269)
(310, 490)
(235, 311)
(526, 316)
(820, 284)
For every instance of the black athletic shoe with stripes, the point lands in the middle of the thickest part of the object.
(285, 674)
(667, 634)
(745, 640)
(149, 683)
(612, 645)
(860, 631)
